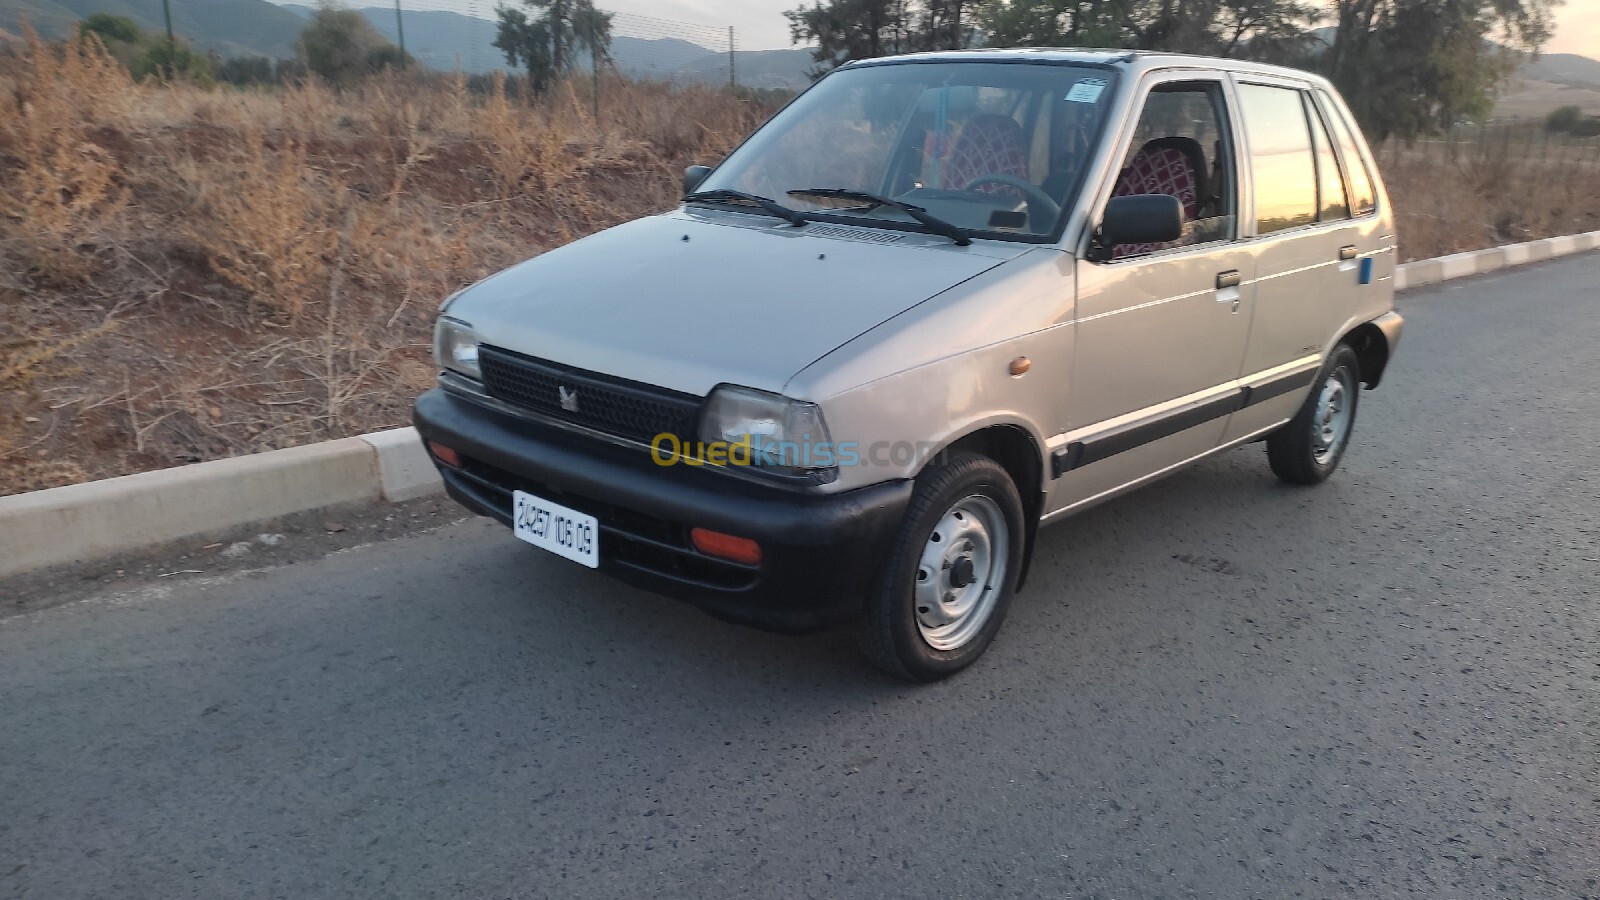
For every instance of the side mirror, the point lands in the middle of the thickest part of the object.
(1139, 219)
(693, 176)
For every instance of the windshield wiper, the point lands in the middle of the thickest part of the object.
(793, 216)
(956, 233)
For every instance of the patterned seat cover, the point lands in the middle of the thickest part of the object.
(988, 144)
(1161, 166)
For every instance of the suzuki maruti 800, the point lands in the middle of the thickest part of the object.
(935, 303)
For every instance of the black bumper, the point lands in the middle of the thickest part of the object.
(820, 552)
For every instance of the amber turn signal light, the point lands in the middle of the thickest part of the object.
(446, 455)
(726, 546)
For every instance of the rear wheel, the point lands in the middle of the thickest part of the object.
(944, 590)
(1308, 448)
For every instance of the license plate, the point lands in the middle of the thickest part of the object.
(551, 526)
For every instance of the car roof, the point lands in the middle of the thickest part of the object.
(1135, 62)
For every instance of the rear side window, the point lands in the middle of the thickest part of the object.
(1331, 201)
(1281, 158)
(1360, 183)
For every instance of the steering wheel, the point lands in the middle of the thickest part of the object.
(1038, 200)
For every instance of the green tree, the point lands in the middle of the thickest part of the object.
(246, 70)
(1253, 29)
(172, 60)
(548, 43)
(111, 30)
(388, 56)
(844, 30)
(1060, 23)
(342, 47)
(1412, 67)
(1563, 119)
(1406, 67)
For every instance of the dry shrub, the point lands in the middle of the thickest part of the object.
(23, 358)
(261, 216)
(1483, 187)
(527, 153)
(57, 186)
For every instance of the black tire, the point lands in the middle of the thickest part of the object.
(892, 630)
(1299, 452)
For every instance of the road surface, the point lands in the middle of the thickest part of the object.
(1215, 687)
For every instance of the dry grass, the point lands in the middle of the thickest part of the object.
(190, 274)
(1486, 186)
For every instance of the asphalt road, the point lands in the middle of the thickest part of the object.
(1215, 687)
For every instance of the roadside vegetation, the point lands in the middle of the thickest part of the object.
(190, 271)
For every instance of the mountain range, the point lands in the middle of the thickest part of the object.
(439, 39)
(230, 27)
(445, 40)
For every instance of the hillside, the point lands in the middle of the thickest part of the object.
(1564, 68)
(230, 27)
(436, 39)
(443, 40)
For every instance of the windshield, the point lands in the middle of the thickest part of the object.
(995, 149)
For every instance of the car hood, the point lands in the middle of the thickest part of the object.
(689, 300)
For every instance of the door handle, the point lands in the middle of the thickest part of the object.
(1347, 252)
(1228, 279)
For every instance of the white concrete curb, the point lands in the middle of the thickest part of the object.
(405, 471)
(1482, 262)
(84, 522)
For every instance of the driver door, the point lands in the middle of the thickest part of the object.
(1161, 329)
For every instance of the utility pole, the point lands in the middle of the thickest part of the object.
(172, 42)
(733, 76)
(594, 62)
(400, 27)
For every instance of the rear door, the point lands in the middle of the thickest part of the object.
(1312, 243)
(1161, 330)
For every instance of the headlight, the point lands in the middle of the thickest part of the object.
(785, 435)
(455, 347)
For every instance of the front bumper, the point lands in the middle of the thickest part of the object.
(820, 552)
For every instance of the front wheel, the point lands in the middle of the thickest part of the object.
(1308, 448)
(951, 571)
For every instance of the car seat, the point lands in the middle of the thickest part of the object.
(988, 144)
(1164, 165)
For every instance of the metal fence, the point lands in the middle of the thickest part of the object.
(451, 34)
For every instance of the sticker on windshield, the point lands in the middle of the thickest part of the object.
(1086, 91)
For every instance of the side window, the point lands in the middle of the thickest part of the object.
(1361, 197)
(1331, 203)
(1181, 147)
(1281, 161)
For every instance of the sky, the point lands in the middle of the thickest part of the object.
(760, 25)
(1577, 29)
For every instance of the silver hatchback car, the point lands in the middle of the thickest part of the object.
(935, 303)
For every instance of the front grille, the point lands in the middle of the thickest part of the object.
(614, 406)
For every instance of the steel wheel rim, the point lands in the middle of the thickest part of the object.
(1331, 424)
(970, 541)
